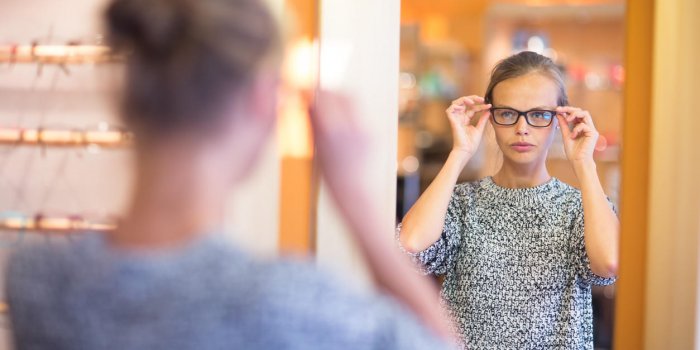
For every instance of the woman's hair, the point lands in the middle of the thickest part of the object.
(186, 58)
(521, 64)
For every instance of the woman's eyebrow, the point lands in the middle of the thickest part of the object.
(531, 109)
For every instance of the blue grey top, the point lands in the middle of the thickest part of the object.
(517, 275)
(207, 295)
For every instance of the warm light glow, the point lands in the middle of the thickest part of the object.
(295, 139)
(410, 164)
(300, 74)
(301, 64)
(60, 137)
(66, 224)
(103, 136)
(10, 135)
(536, 44)
(13, 223)
(435, 28)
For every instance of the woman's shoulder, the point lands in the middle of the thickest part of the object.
(46, 254)
(465, 189)
(567, 191)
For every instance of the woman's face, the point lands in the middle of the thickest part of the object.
(522, 143)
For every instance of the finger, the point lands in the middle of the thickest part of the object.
(454, 109)
(480, 108)
(565, 115)
(477, 98)
(567, 109)
(464, 100)
(564, 126)
(473, 99)
(588, 119)
(469, 100)
(576, 117)
(581, 129)
(572, 117)
(474, 110)
(583, 117)
(575, 114)
(483, 120)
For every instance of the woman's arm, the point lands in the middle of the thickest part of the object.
(341, 151)
(601, 227)
(423, 224)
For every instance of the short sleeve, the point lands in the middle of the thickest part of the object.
(440, 256)
(581, 260)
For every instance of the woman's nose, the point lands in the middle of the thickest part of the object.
(521, 126)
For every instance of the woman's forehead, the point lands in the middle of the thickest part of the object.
(527, 91)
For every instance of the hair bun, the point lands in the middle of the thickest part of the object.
(153, 28)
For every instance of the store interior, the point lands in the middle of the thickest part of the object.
(66, 161)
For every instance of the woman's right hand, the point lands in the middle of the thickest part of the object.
(460, 113)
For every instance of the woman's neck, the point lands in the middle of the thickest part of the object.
(179, 195)
(521, 176)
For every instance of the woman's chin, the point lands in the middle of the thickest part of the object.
(521, 158)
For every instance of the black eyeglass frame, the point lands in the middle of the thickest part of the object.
(523, 114)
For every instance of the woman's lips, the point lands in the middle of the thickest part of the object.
(522, 146)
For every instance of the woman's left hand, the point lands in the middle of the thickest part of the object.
(579, 142)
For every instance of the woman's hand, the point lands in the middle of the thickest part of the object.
(579, 142)
(466, 136)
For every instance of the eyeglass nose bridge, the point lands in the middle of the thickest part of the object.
(520, 114)
(520, 129)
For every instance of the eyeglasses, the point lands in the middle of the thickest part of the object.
(539, 118)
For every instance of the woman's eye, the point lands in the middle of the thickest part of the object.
(507, 114)
(541, 115)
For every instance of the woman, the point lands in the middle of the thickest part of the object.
(520, 250)
(200, 97)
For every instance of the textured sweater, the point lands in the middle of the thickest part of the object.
(516, 271)
(207, 295)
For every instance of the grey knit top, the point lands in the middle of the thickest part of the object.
(516, 271)
(206, 295)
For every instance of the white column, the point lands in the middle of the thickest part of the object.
(359, 55)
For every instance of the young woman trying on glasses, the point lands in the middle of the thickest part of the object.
(519, 250)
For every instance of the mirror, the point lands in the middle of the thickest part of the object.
(448, 49)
